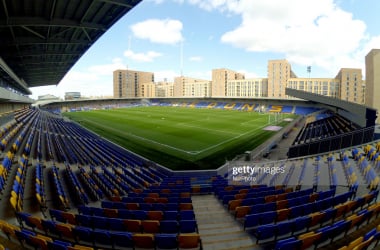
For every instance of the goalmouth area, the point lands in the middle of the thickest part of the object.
(183, 138)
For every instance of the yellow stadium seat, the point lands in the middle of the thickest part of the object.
(13, 201)
(79, 247)
(308, 239)
(40, 241)
(143, 240)
(189, 240)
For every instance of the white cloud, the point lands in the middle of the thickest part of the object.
(142, 57)
(373, 43)
(204, 75)
(162, 1)
(107, 69)
(305, 31)
(221, 5)
(167, 31)
(195, 58)
(156, 1)
(248, 74)
(163, 75)
(96, 80)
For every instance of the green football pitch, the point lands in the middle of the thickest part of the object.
(182, 138)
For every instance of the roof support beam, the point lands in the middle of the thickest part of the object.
(33, 32)
(85, 32)
(52, 10)
(48, 53)
(41, 22)
(118, 2)
(21, 84)
(22, 41)
(5, 9)
(41, 40)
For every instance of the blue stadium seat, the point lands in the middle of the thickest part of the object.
(268, 217)
(171, 215)
(251, 221)
(84, 220)
(301, 223)
(264, 232)
(116, 224)
(49, 227)
(56, 215)
(188, 226)
(100, 222)
(166, 241)
(102, 238)
(58, 245)
(288, 244)
(83, 235)
(122, 239)
(169, 226)
(139, 214)
(285, 227)
(186, 215)
(125, 214)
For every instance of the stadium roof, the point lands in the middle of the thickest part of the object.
(357, 113)
(42, 39)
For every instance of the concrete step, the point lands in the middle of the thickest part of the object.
(217, 227)
(224, 236)
(228, 244)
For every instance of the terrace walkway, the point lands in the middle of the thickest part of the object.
(283, 144)
(217, 227)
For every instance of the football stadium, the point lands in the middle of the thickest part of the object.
(172, 173)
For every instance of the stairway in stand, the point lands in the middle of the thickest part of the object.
(217, 227)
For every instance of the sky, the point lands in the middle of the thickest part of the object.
(193, 37)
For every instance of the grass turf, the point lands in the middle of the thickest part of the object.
(180, 138)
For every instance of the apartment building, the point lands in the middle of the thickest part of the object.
(372, 76)
(352, 87)
(348, 84)
(127, 83)
(156, 89)
(220, 77)
(165, 89)
(322, 86)
(254, 87)
(191, 87)
(279, 72)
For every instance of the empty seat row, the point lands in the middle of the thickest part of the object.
(323, 200)
(114, 224)
(72, 238)
(362, 242)
(303, 224)
(130, 214)
(147, 205)
(330, 208)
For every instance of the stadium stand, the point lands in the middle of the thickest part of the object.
(63, 187)
(323, 128)
(89, 192)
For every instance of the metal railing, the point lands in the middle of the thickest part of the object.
(337, 142)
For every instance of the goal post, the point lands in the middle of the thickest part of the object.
(275, 118)
(145, 102)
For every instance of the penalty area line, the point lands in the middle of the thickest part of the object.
(144, 139)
